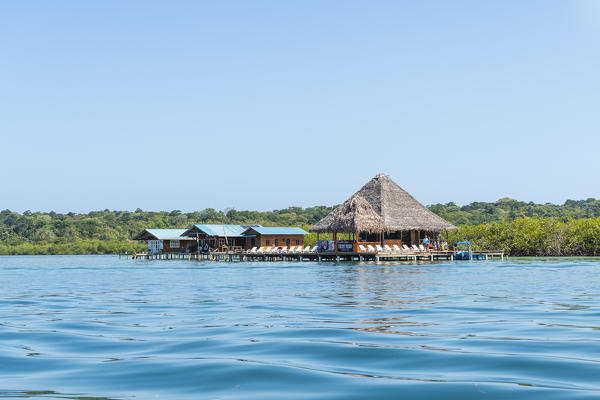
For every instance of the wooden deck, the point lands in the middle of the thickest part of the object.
(406, 256)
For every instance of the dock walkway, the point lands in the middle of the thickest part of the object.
(406, 256)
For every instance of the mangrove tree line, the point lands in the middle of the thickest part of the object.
(522, 228)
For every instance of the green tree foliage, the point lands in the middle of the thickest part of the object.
(506, 209)
(526, 236)
(527, 229)
(105, 232)
(520, 228)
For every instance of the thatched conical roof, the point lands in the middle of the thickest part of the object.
(355, 215)
(399, 210)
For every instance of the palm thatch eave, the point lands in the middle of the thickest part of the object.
(354, 215)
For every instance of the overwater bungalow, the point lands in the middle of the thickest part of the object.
(219, 236)
(380, 213)
(380, 222)
(165, 240)
(259, 236)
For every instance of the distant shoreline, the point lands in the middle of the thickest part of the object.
(519, 228)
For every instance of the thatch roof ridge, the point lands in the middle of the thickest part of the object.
(397, 208)
(355, 215)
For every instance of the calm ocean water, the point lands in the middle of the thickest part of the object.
(100, 327)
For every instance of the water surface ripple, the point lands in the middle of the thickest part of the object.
(100, 327)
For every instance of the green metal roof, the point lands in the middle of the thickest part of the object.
(228, 230)
(279, 230)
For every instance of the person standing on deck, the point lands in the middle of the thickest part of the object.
(426, 242)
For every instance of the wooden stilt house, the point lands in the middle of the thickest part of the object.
(165, 241)
(405, 220)
(280, 236)
(221, 236)
(355, 217)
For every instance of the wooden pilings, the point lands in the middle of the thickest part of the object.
(319, 257)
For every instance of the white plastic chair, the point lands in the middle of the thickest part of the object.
(362, 248)
(371, 248)
(387, 248)
(396, 248)
(405, 247)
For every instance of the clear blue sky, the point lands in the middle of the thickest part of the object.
(266, 104)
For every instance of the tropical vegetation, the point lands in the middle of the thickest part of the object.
(526, 236)
(520, 228)
(106, 232)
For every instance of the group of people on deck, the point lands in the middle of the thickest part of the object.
(437, 244)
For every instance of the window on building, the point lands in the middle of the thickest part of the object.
(267, 242)
(174, 244)
(297, 242)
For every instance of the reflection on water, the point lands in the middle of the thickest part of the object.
(47, 394)
(77, 327)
